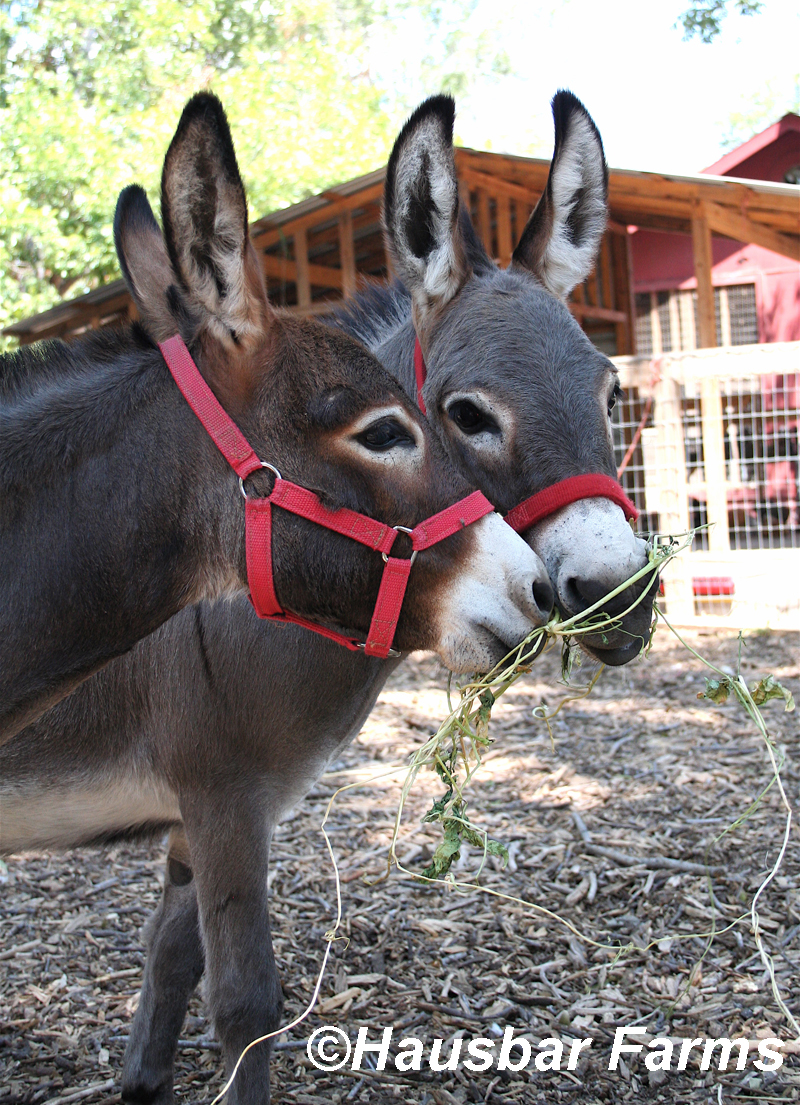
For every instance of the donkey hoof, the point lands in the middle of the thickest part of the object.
(145, 1092)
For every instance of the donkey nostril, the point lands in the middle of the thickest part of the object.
(544, 597)
(582, 593)
(572, 593)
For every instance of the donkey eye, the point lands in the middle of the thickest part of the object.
(471, 419)
(385, 435)
(616, 394)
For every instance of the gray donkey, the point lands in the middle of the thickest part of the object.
(216, 724)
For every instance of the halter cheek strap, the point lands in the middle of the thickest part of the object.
(553, 498)
(300, 501)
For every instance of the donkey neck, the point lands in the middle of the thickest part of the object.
(117, 511)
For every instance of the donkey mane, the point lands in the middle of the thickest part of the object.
(24, 370)
(61, 402)
(375, 314)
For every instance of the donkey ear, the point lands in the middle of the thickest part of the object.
(204, 211)
(420, 209)
(144, 261)
(562, 237)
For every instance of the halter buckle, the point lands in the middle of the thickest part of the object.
(362, 645)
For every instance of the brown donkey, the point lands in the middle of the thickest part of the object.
(117, 510)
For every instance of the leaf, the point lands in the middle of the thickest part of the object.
(436, 812)
(445, 854)
(482, 717)
(769, 688)
(717, 690)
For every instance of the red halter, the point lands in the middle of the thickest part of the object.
(298, 500)
(550, 499)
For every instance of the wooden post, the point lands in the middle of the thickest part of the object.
(686, 311)
(703, 264)
(484, 220)
(669, 475)
(605, 265)
(724, 318)
(714, 464)
(621, 292)
(301, 260)
(655, 325)
(504, 244)
(347, 254)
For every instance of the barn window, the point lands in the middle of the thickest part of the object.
(644, 326)
(742, 316)
(667, 321)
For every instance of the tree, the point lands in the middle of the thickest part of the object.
(772, 102)
(704, 18)
(90, 96)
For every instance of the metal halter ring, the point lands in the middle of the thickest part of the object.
(401, 529)
(264, 464)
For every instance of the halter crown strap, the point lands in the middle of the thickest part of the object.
(223, 431)
(420, 373)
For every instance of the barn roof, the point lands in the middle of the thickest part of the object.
(789, 124)
(314, 251)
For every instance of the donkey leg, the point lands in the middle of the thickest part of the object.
(172, 971)
(229, 836)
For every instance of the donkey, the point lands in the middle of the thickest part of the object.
(117, 509)
(244, 716)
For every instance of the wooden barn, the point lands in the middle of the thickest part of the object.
(708, 432)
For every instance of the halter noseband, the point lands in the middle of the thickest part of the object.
(299, 500)
(553, 498)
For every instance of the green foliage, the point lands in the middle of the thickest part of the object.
(451, 809)
(703, 19)
(90, 96)
(773, 100)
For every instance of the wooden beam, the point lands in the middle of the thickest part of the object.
(703, 264)
(605, 269)
(618, 247)
(613, 227)
(325, 213)
(497, 186)
(347, 254)
(733, 224)
(319, 276)
(302, 278)
(320, 307)
(604, 314)
(505, 246)
(648, 221)
(484, 220)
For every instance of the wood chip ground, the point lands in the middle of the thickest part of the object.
(652, 774)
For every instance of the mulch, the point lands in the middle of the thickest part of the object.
(610, 825)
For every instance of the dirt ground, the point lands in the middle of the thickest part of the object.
(652, 774)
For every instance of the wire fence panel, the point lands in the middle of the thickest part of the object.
(716, 446)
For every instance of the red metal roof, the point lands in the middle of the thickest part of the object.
(754, 145)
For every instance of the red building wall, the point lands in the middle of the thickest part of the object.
(663, 261)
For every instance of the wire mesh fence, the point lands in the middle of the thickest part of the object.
(717, 448)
